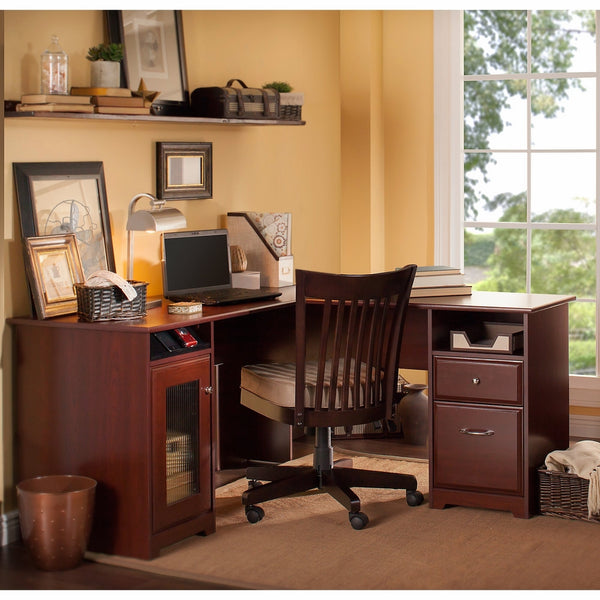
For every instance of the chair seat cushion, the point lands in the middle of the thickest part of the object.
(276, 382)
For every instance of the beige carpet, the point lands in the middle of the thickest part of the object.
(308, 543)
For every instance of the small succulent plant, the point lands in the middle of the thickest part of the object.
(280, 86)
(112, 52)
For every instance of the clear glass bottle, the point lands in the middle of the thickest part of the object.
(55, 69)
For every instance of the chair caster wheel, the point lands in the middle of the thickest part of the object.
(358, 520)
(414, 497)
(254, 514)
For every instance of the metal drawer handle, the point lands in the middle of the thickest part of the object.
(476, 381)
(468, 431)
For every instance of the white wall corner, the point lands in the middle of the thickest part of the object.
(9, 528)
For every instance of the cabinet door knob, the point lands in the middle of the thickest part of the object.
(468, 431)
(476, 381)
(208, 389)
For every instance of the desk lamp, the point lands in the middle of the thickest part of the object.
(158, 218)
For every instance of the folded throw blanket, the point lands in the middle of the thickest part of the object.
(582, 459)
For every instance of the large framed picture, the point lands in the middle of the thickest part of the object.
(53, 267)
(67, 197)
(183, 170)
(153, 51)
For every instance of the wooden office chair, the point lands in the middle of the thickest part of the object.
(352, 381)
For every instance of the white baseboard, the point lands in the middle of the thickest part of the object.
(585, 426)
(9, 528)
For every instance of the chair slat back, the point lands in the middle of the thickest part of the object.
(360, 332)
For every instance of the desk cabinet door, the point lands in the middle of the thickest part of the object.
(181, 446)
(478, 447)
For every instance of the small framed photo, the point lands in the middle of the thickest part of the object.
(54, 267)
(183, 170)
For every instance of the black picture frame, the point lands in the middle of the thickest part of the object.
(67, 197)
(183, 170)
(153, 50)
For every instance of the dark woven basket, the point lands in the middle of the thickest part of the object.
(564, 495)
(290, 112)
(98, 303)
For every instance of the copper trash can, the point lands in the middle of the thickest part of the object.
(56, 514)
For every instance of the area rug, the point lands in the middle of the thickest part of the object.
(306, 542)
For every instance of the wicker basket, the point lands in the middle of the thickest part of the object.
(564, 495)
(109, 303)
(290, 112)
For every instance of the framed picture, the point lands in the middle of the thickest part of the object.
(153, 50)
(67, 197)
(183, 170)
(54, 267)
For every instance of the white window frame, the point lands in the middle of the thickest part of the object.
(448, 185)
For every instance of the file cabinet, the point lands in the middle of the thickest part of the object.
(494, 417)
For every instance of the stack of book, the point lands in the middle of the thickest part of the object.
(115, 101)
(55, 103)
(436, 280)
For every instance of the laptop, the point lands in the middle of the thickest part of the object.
(196, 267)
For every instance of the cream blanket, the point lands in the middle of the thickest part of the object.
(582, 459)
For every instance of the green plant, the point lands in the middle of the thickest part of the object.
(280, 86)
(112, 52)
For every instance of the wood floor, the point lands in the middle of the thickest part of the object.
(18, 573)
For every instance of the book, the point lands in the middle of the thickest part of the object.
(429, 270)
(49, 107)
(100, 91)
(437, 280)
(122, 110)
(135, 101)
(54, 99)
(442, 290)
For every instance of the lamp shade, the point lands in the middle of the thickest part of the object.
(156, 220)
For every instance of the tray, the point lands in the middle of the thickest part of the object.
(500, 338)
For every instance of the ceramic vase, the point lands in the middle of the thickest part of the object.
(414, 414)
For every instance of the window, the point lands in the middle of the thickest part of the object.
(516, 157)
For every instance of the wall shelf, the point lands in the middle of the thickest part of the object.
(149, 118)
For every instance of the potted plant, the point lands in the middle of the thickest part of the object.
(106, 64)
(290, 103)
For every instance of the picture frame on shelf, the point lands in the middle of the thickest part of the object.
(53, 268)
(153, 51)
(183, 170)
(67, 197)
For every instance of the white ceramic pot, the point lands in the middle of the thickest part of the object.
(105, 73)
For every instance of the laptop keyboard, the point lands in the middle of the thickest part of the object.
(229, 296)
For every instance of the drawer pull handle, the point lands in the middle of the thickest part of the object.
(468, 431)
(476, 381)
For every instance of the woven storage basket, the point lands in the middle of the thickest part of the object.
(99, 303)
(564, 495)
(290, 112)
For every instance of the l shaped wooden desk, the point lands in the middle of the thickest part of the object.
(94, 399)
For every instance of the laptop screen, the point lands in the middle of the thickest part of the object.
(195, 261)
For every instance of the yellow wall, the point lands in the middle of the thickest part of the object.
(357, 178)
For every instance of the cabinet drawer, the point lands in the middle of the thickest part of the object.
(478, 447)
(487, 381)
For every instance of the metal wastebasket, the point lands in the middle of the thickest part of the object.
(56, 514)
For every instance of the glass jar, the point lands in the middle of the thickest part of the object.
(55, 69)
